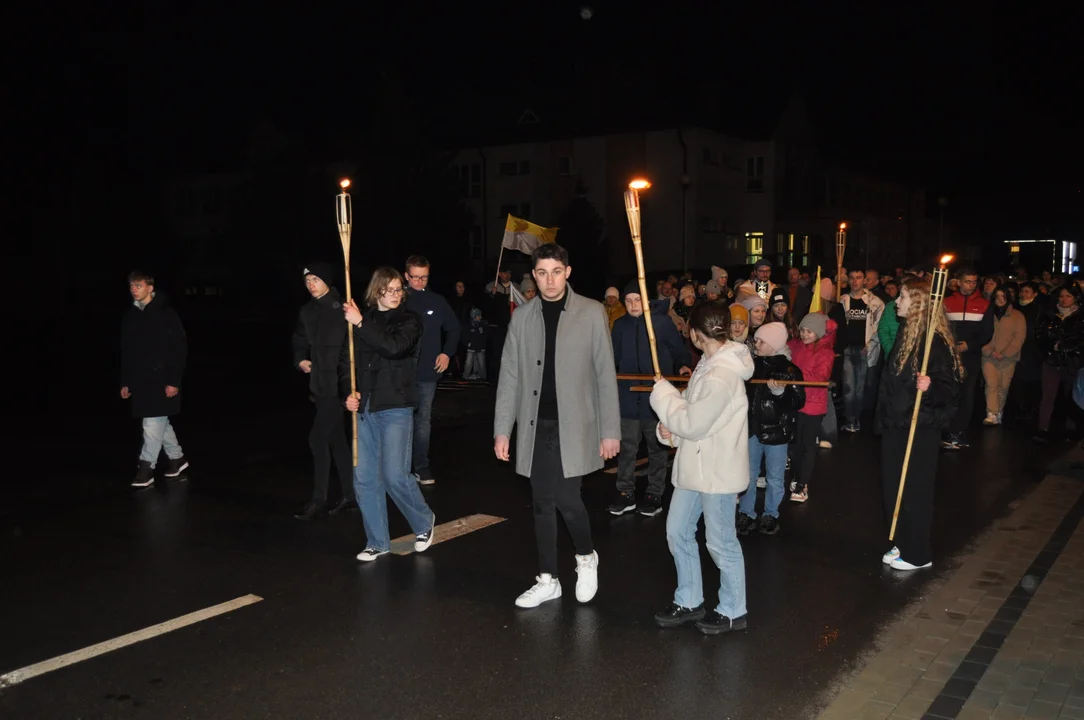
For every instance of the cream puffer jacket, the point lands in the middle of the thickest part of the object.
(709, 422)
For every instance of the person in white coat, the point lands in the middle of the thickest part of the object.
(708, 423)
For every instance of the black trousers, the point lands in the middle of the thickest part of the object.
(916, 510)
(966, 411)
(552, 491)
(327, 440)
(806, 432)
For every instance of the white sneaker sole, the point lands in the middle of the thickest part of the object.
(180, 470)
(889, 556)
(420, 546)
(369, 558)
(586, 592)
(622, 511)
(533, 603)
(900, 564)
(143, 484)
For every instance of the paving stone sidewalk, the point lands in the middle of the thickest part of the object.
(1002, 636)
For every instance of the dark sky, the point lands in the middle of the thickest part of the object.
(967, 103)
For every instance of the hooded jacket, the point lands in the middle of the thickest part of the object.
(632, 354)
(816, 361)
(710, 423)
(319, 337)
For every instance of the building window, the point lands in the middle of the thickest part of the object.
(476, 243)
(754, 247)
(754, 175)
(507, 168)
(564, 165)
(712, 156)
(710, 225)
(476, 180)
(507, 210)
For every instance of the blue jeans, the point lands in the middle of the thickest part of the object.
(855, 369)
(775, 458)
(384, 469)
(686, 507)
(158, 434)
(423, 418)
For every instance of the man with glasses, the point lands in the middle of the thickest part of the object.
(972, 320)
(440, 338)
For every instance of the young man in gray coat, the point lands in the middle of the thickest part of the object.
(559, 385)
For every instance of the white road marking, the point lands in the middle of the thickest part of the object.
(447, 531)
(30, 671)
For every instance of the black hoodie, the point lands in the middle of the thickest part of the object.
(319, 337)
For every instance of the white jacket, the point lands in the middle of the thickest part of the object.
(710, 423)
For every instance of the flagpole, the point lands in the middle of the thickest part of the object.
(498, 275)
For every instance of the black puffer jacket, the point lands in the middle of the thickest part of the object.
(153, 353)
(386, 349)
(772, 418)
(896, 400)
(1059, 339)
(319, 337)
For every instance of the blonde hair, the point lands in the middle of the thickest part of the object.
(382, 277)
(914, 330)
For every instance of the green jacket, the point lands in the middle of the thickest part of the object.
(888, 327)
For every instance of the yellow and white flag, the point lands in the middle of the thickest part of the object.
(526, 236)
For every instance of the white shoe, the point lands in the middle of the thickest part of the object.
(825, 445)
(587, 576)
(761, 483)
(901, 564)
(370, 554)
(425, 539)
(891, 555)
(547, 588)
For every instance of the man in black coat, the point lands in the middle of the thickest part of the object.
(318, 341)
(153, 352)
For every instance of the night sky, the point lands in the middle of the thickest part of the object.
(975, 106)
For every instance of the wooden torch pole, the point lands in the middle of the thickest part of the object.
(344, 216)
(841, 249)
(937, 296)
(632, 209)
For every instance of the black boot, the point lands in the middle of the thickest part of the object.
(174, 468)
(144, 475)
(344, 504)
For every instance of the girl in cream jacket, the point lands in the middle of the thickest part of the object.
(708, 423)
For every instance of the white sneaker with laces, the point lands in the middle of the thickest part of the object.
(546, 588)
(587, 576)
(370, 554)
(901, 564)
(891, 555)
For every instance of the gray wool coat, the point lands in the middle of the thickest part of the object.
(587, 404)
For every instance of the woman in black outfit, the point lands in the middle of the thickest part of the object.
(896, 403)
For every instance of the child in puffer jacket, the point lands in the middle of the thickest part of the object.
(772, 411)
(814, 355)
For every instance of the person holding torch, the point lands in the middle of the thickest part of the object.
(924, 369)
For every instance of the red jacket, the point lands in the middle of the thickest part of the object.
(815, 361)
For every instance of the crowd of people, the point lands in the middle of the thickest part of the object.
(773, 373)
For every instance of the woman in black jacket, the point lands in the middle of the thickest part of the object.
(896, 403)
(1059, 337)
(387, 339)
(773, 415)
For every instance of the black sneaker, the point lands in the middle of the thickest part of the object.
(961, 441)
(745, 524)
(768, 525)
(714, 624)
(312, 511)
(144, 475)
(344, 504)
(174, 467)
(650, 506)
(951, 442)
(623, 503)
(674, 615)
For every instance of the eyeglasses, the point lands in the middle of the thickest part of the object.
(393, 291)
(418, 277)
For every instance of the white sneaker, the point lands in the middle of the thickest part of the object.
(901, 564)
(891, 555)
(547, 588)
(423, 540)
(370, 554)
(587, 576)
(825, 445)
(761, 483)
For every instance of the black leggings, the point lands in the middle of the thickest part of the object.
(551, 491)
(327, 440)
(805, 447)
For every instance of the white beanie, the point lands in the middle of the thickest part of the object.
(612, 291)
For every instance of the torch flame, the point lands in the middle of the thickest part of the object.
(344, 183)
(640, 184)
(842, 226)
(946, 259)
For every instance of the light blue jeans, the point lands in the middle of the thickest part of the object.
(158, 433)
(775, 460)
(384, 445)
(686, 507)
